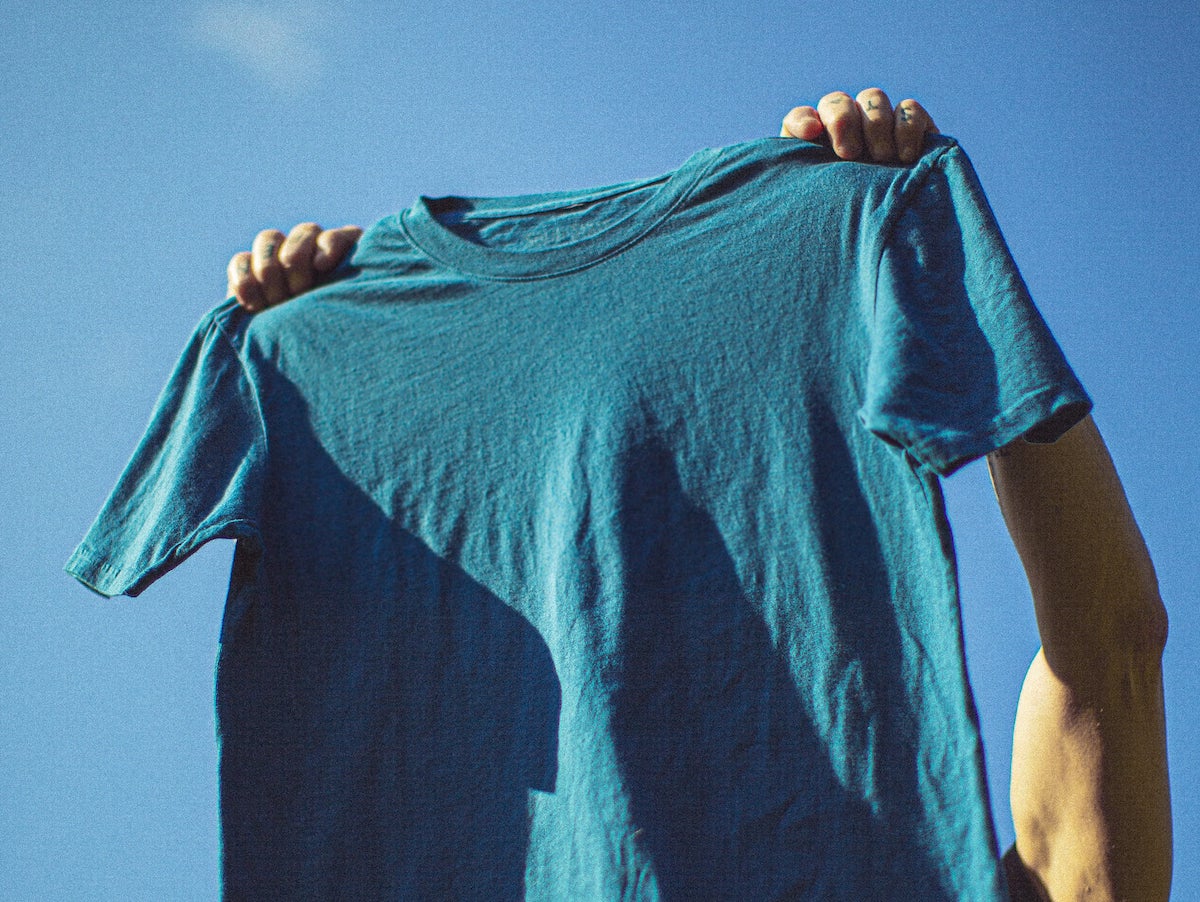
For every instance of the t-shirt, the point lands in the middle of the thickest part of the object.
(590, 544)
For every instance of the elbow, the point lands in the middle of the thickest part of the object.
(1142, 615)
(1114, 643)
(1159, 627)
(1132, 612)
(1143, 624)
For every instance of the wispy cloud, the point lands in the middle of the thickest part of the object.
(275, 42)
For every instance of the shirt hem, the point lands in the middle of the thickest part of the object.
(1047, 412)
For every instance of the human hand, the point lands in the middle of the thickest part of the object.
(889, 135)
(277, 268)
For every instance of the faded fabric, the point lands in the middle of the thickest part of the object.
(590, 544)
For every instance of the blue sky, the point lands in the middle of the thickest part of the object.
(141, 145)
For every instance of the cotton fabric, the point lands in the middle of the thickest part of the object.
(590, 544)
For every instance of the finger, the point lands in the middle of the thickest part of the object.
(332, 245)
(913, 123)
(841, 118)
(802, 122)
(242, 284)
(877, 124)
(264, 264)
(296, 257)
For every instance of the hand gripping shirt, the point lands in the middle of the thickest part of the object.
(590, 544)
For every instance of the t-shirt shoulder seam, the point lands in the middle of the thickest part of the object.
(910, 188)
(219, 316)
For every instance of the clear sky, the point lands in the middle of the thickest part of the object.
(142, 144)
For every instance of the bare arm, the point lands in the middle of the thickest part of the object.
(1090, 797)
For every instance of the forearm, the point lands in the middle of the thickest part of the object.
(1090, 795)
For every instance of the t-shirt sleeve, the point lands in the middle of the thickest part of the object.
(195, 476)
(961, 361)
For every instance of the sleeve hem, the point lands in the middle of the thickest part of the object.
(96, 571)
(1043, 415)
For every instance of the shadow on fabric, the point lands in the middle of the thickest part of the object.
(380, 728)
(728, 775)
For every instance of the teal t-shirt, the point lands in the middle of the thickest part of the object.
(590, 544)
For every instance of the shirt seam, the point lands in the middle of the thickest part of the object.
(940, 448)
(900, 205)
(124, 578)
(258, 407)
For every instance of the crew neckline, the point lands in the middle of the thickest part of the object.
(422, 227)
